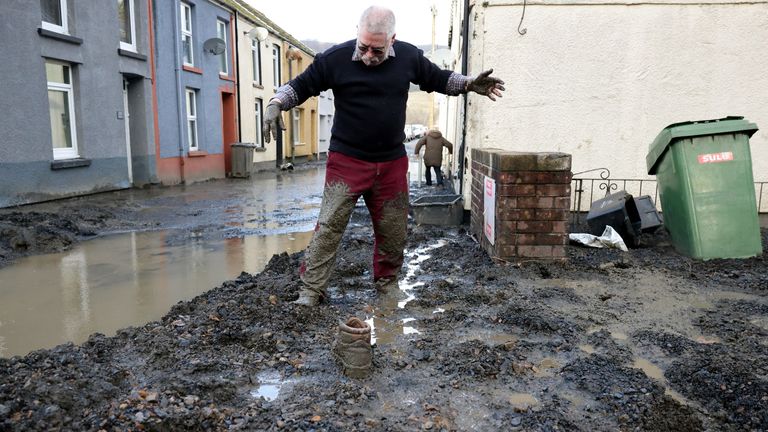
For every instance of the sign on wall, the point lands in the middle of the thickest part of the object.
(489, 208)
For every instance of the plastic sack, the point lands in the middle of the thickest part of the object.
(609, 239)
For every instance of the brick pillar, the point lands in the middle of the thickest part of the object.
(533, 197)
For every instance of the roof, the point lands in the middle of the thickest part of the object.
(250, 13)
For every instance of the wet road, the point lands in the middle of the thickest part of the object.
(210, 233)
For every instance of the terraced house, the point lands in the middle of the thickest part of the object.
(76, 98)
(113, 94)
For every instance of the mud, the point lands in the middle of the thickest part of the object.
(606, 340)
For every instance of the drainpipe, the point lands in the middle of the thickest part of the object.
(289, 55)
(464, 69)
(236, 43)
(180, 95)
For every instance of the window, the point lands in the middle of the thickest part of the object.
(221, 33)
(256, 59)
(61, 108)
(296, 114)
(54, 15)
(192, 119)
(259, 139)
(127, 17)
(187, 43)
(276, 64)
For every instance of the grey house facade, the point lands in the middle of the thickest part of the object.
(77, 98)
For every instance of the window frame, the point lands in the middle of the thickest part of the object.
(187, 33)
(62, 28)
(296, 125)
(224, 60)
(69, 89)
(256, 60)
(130, 46)
(193, 138)
(276, 65)
(259, 110)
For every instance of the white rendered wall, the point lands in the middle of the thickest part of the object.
(600, 80)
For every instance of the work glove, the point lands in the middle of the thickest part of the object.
(273, 121)
(486, 85)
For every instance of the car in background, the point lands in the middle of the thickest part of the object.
(408, 130)
(418, 130)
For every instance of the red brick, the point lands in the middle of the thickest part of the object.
(519, 177)
(551, 215)
(563, 202)
(506, 251)
(558, 251)
(534, 251)
(535, 202)
(560, 227)
(534, 227)
(557, 190)
(513, 214)
(506, 203)
(516, 190)
(550, 239)
(554, 177)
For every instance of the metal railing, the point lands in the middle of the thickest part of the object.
(585, 190)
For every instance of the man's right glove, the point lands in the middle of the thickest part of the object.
(273, 120)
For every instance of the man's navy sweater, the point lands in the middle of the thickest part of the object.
(370, 101)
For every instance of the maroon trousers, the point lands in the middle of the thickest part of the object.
(384, 187)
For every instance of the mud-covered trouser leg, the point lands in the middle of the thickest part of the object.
(387, 201)
(428, 174)
(339, 200)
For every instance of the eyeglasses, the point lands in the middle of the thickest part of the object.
(374, 50)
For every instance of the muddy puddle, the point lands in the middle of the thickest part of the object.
(117, 281)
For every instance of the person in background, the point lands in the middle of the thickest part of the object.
(370, 77)
(433, 154)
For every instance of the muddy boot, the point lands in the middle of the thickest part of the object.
(307, 297)
(352, 348)
(386, 285)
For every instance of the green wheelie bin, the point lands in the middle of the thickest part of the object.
(704, 175)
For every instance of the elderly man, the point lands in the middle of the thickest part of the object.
(370, 77)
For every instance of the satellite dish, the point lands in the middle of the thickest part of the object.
(442, 57)
(258, 33)
(214, 46)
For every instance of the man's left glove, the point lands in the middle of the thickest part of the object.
(273, 120)
(486, 85)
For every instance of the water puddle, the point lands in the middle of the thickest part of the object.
(109, 283)
(269, 386)
(522, 401)
(589, 349)
(546, 367)
(656, 373)
(384, 329)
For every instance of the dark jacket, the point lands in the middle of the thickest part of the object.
(370, 101)
(433, 155)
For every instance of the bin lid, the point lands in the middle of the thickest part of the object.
(676, 131)
(244, 144)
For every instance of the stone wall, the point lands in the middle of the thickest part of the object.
(532, 202)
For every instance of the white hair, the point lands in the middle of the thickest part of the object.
(377, 20)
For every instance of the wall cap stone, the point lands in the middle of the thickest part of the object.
(508, 161)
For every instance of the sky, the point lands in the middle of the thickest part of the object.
(336, 20)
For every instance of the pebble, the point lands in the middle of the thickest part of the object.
(4, 410)
(516, 421)
(428, 425)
